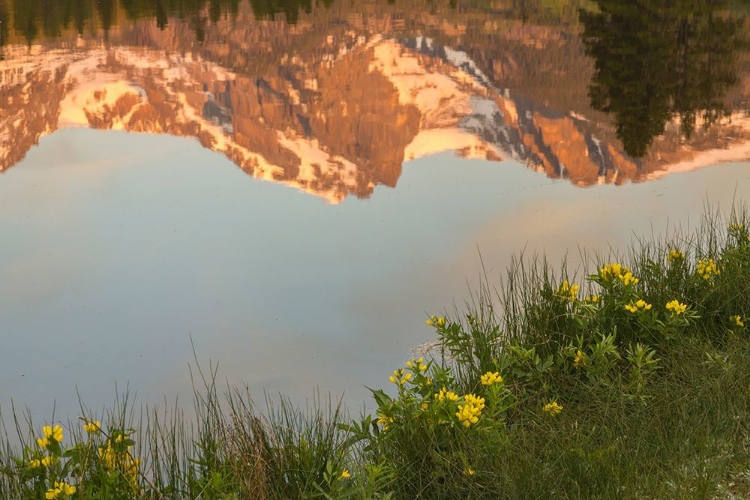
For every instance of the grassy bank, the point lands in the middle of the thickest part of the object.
(631, 381)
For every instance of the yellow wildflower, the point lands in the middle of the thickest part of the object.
(123, 461)
(737, 320)
(594, 299)
(568, 291)
(445, 394)
(424, 406)
(553, 408)
(345, 474)
(490, 378)
(397, 377)
(417, 363)
(706, 268)
(35, 463)
(468, 414)
(611, 272)
(435, 321)
(628, 279)
(67, 489)
(42, 442)
(475, 401)
(469, 471)
(93, 427)
(47, 461)
(59, 489)
(639, 305)
(675, 256)
(55, 433)
(579, 360)
(675, 307)
(385, 421)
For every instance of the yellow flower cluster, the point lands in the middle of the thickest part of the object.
(736, 226)
(737, 321)
(345, 474)
(385, 421)
(115, 459)
(579, 360)
(706, 268)
(594, 299)
(640, 305)
(468, 413)
(568, 291)
(35, 463)
(60, 488)
(399, 377)
(435, 321)
(446, 395)
(676, 308)
(93, 427)
(552, 408)
(417, 363)
(611, 272)
(675, 256)
(50, 433)
(490, 378)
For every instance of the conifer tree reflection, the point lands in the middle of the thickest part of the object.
(52, 17)
(660, 60)
(81, 14)
(290, 8)
(107, 14)
(25, 17)
(4, 20)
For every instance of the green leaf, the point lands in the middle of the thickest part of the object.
(381, 398)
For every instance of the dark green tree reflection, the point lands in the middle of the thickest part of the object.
(4, 20)
(290, 8)
(657, 60)
(33, 18)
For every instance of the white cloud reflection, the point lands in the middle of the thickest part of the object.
(107, 273)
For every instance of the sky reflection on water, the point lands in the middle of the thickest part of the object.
(120, 249)
(275, 184)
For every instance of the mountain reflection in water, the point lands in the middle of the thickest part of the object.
(332, 97)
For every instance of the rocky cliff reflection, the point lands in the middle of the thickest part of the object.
(335, 103)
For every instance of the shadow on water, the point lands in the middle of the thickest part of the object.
(656, 61)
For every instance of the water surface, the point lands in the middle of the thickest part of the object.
(291, 190)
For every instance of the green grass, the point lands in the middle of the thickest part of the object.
(616, 382)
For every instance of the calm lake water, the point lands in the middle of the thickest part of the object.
(290, 187)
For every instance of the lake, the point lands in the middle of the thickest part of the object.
(288, 189)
